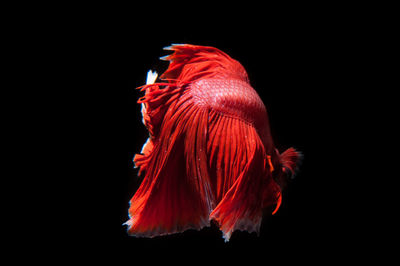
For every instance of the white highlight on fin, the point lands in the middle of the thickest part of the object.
(144, 146)
(151, 77)
(164, 58)
(171, 47)
(144, 110)
(128, 223)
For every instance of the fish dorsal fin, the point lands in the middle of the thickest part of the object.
(189, 63)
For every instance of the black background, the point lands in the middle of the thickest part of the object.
(302, 68)
(314, 66)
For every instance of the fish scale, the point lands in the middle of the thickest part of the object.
(231, 97)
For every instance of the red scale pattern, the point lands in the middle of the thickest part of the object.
(231, 97)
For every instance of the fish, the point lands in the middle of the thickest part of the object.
(210, 156)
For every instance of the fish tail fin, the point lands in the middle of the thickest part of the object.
(250, 186)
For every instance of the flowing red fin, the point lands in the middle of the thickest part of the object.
(290, 160)
(243, 181)
(141, 160)
(189, 63)
(155, 103)
(175, 196)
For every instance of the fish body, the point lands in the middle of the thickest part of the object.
(210, 154)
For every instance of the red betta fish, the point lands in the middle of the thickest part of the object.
(210, 154)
